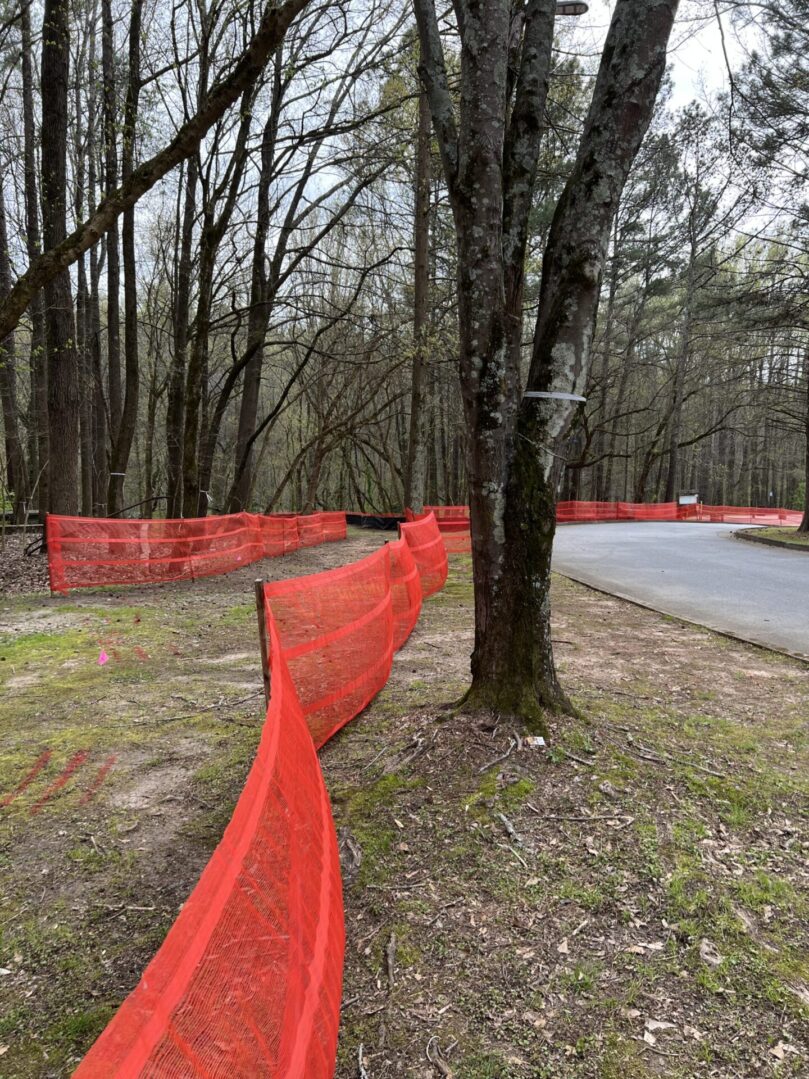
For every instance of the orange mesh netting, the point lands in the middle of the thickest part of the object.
(86, 552)
(453, 512)
(429, 553)
(248, 980)
(336, 634)
(742, 515)
(453, 524)
(454, 520)
(671, 511)
(405, 588)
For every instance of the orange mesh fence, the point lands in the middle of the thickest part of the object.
(248, 980)
(744, 515)
(310, 530)
(452, 512)
(429, 553)
(334, 525)
(453, 524)
(336, 634)
(671, 511)
(85, 552)
(405, 588)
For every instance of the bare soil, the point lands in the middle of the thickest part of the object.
(630, 901)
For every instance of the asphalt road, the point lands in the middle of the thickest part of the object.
(699, 572)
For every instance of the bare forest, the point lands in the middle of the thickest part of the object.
(269, 318)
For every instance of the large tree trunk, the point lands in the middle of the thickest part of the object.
(122, 441)
(260, 308)
(82, 124)
(804, 525)
(175, 412)
(490, 164)
(513, 665)
(63, 372)
(38, 408)
(415, 469)
(16, 474)
(113, 252)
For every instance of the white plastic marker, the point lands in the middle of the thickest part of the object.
(554, 396)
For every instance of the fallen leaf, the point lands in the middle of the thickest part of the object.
(780, 1051)
(650, 1039)
(563, 948)
(659, 1024)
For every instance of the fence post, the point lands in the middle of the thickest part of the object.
(262, 639)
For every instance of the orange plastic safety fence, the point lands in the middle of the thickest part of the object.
(405, 587)
(85, 552)
(456, 518)
(454, 512)
(745, 515)
(336, 635)
(429, 553)
(248, 980)
(453, 524)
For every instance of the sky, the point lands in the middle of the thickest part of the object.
(696, 60)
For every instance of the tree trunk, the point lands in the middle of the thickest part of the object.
(80, 150)
(416, 449)
(122, 441)
(16, 473)
(175, 412)
(490, 163)
(804, 525)
(38, 409)
(113, 253)
(63, 373)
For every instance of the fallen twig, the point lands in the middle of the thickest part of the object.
(390, 960)
(512, 746)
(437, 1060)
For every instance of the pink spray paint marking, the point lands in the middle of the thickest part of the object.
(73, 765)
(103, 658)
(101, 775)
(27, 780)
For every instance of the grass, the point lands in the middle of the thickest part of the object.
(544, 906)
(787, 536)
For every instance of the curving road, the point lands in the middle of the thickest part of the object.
(699, 572)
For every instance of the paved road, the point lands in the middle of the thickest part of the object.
(700, 572)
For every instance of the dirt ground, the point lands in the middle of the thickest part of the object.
(631, 900)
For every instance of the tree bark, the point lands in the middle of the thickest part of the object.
(490, 164)
(804, 525)
(110, 110)
(38, 408)
(16, 474)
(416, 448)
(122, 440)
(63, 372)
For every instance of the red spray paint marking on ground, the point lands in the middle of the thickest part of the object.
(75, 762)
(26, 782)
(102, 774)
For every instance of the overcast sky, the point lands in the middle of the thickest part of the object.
(696, 58)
